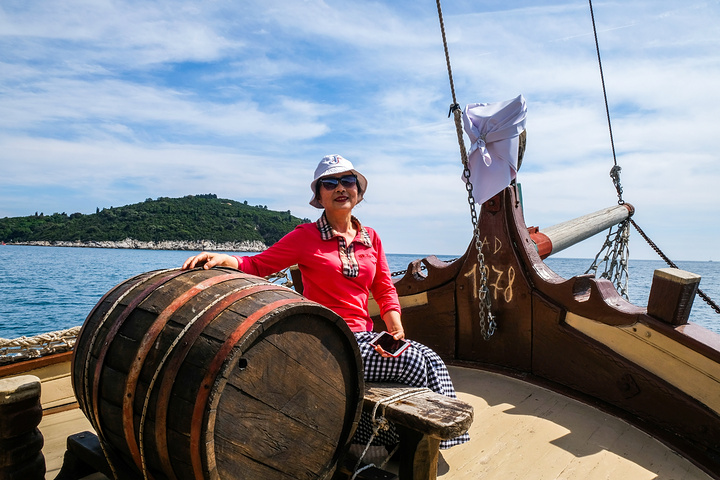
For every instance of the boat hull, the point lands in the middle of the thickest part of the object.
(577, 335)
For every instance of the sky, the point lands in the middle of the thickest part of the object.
(110, 102)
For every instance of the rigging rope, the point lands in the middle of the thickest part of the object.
(612, 271)
(615, 170)
(23, 348)
(616, 257)
(46, 341)
(487, 319)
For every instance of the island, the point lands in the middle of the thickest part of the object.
(193, 222)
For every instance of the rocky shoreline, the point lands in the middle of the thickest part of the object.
(208, 245)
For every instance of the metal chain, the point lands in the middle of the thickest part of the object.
(700, 293)
(615, 259)
(488, 324)
(282, 277)
(615, 175)
(422, 267)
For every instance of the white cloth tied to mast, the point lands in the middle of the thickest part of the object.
(494, 130)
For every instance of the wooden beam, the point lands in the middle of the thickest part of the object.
(672, 294)
(421, 421)
(567, 234)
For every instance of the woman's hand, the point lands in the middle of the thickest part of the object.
(393, 324)
(207, 260)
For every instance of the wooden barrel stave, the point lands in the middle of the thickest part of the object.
(105, 312)
(155, 345)
(128, 311)
(112, 422)
(102, 345)
(190, 361)
(205, 403)
(180, 359)
(309, 410)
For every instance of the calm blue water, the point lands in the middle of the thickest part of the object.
(641, 274)
(45, 289)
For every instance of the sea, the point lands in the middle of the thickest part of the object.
(45, 289)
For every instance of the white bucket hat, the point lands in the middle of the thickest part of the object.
(332, 165)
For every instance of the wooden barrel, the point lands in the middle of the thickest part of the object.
(21, 442)
(218, 374)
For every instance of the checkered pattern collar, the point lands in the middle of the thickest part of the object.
(327, 232)
(351, 268)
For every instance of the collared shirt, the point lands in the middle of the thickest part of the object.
(351, 268)
(336, 275)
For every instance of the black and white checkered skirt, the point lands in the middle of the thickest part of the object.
(418, 366)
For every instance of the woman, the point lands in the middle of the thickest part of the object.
(342, 262)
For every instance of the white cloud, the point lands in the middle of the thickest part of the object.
(133, 34)
(118, 101)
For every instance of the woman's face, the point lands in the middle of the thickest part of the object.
(342, 196)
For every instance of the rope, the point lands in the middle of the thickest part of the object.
(40, 344)
(487, 319)
(455, 106)
(615, 171)
(617, 257)
(652, 244)
(20, 349)
(381, 423)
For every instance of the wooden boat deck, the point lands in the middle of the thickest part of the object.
(523, 431)
(520, 431)
(56, 427)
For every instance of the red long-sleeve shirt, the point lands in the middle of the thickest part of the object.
(327, 268)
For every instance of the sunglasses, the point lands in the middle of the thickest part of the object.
(330, 183)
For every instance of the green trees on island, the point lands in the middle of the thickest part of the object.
(194, 217)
